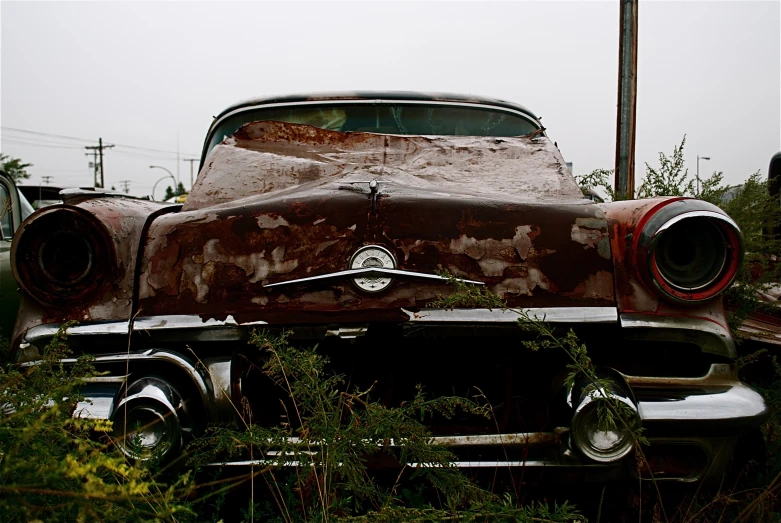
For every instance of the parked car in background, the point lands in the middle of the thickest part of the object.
(339, 217)
(13, 209)
(44, 195)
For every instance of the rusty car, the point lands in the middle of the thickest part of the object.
(342, 218)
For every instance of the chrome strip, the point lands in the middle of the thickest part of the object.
(709, 335)
(739, 403)
(147, 355)
(373, 101)
(519, 438)
(371, 270)
(695, 214)
(551, 315)
(457, 464)
(142, 324)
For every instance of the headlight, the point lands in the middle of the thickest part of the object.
(592, 441)
(62, 254)
(689, 250)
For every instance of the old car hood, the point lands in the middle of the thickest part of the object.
(281, 202)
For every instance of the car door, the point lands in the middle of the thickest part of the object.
(11, 213)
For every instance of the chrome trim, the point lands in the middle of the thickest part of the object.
(219, 372)
(372, 270)
(708, 335)
(551, 315)
(650, 241)
(513, 439)
(150, 355)
(347, 333)
(455, 464)
(141, 324)
(733, 409)
(99, 396)
(695, 214)
(719, 376)
(374, 101)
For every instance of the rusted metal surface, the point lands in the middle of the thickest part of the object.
(124, 221)
(281, 202)
(268, 157)
(625, 220)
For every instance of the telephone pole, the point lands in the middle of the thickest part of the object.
(125, 185)
(627, 101)
(191, 160)
(99, 149)
(94, 166)
(47, 179)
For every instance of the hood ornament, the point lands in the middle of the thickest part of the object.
(372, 257)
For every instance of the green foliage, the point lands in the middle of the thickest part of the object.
(671, 178)
(333, 433)
(612, 412)
(50, 467)
(753, 209)
(14, 167)
(598, 179)
(466, 295)
(169, 193)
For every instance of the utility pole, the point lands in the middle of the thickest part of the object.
(125, 185)
(627, 101)
(46, 179)
(94, 166)
(191, 160)
(99, 148)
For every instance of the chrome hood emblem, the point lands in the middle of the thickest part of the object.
(372, 257)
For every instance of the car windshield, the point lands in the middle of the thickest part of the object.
(405, 119)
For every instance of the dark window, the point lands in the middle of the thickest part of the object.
(405, 119)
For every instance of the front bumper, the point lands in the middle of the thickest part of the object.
(692, 423)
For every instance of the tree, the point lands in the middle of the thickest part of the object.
(169, 193)
(671, 178)
(14, 167)
(180, 190)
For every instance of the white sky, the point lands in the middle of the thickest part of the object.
(151, 74)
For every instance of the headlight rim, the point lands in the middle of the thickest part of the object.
(651, 230)
(31, 238)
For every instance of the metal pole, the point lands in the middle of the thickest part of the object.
(697, 194)
(163, 178)
(627, 101)
(160, 180)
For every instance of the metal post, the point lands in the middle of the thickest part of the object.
(627, 101)
(100, 148)
(697, 193)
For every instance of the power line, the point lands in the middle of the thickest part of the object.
(46, 134)
(88, 140)
(19, 142)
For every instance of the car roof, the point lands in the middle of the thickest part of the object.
(375, 95)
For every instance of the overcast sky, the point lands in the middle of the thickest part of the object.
(150, 75)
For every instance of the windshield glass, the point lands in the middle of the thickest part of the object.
(405, 119)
